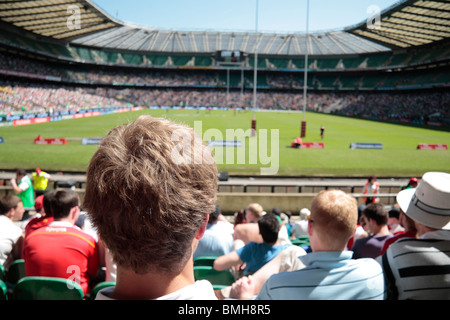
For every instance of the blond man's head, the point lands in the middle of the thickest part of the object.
(334, 215)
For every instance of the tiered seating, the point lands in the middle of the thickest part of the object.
(328, 82)
(377, 61)
(353, 63)
(326, 64)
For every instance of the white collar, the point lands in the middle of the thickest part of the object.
(60, 224)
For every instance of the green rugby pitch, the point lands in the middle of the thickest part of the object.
(398, 158)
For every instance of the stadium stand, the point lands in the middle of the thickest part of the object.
(399, 72)
(115, 64)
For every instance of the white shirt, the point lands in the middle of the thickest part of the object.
(301, 228)
(200, 290)
(217, 240)
(23, 184)
(9, 234)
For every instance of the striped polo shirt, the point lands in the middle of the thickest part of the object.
(328, 275)
(419, 268)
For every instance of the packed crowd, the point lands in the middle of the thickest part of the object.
(412, 107)
(416, 108)
(29, 98)
(146, 224)
(172, 78)
(168, 88)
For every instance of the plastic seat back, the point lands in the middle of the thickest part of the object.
(204, 261)
(47, 288)
(99, 287)
(3, 291)
(2, 273)
(16, 271)
(219, 279)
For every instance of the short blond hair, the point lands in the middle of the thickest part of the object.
(146, 206)
(335, 215)
(256, 209)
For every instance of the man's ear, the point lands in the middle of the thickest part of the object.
(310, 228)
(201, 231)
(74, 214)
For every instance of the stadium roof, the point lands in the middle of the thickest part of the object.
(405, 24)
(139, 39)
(409, 23)
(50, 18)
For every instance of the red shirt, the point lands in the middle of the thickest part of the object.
(37, 223)
(61, 250)
(407, 234)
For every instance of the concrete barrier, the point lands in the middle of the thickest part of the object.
(231, 202)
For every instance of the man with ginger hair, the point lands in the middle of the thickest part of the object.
(150, 188)
(330, 273)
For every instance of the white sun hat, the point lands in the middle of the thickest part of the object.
(429, 203)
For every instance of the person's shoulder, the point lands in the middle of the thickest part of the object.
(367, 264)
(244, 226)
(80, 234)
(408, 244)
(76, 229)
(361, 241)
(286, 278)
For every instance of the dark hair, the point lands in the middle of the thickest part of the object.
(239, 217)
(276, 211)
(47, 202)
(21, 172)
(62, 202)
(377, 212)
(394, 212)
(269, 227)
(213, 216)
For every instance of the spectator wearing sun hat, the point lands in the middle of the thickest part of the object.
(420, 268)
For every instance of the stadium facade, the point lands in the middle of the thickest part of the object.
(405, 51)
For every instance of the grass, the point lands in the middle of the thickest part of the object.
(399, 156)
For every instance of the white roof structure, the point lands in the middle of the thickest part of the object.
(138, 39)
(408, 23)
